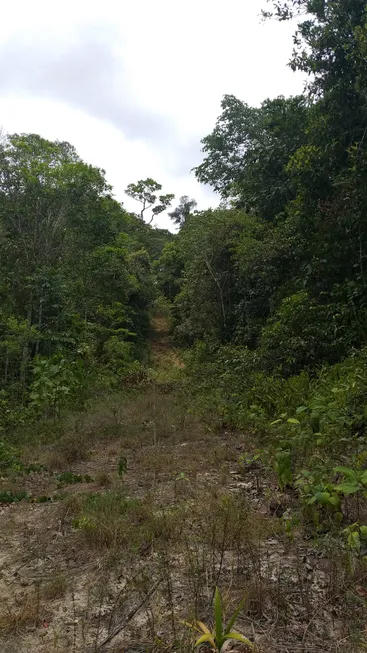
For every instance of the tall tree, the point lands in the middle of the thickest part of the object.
(145, 191)
(182, 212)
(247, 153)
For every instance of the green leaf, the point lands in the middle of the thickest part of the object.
(322, 498)
(347, 471)
(240, 638)
(200, 625)
(347, 488)
(208, 637)
(292, 420)
(354, 541)
(301, 409)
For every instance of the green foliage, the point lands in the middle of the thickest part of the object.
(221, 633)
(356, 537)
(286, 279)
(69, 478)
(322, 495)
(183, 211)
(270, 289)
(355, 481)
(248, 150)
(55, 382)
(76, 280)
(8, 496)
(122, 466)
(283, 468)
(145, 191)
(9, 458)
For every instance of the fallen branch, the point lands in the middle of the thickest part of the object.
(129, 617)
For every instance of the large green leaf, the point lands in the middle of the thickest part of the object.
(347, 471)
(347, 488)
(240, 638)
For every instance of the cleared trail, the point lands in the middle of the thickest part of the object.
(114, 561)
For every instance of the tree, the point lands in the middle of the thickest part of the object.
(247, 153)
(74, 266)
(145, 191)
(183, 211)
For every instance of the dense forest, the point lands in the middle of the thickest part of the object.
(77, 279)
(269, 290)
(245, 330)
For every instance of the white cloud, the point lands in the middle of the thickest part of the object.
(136, 85)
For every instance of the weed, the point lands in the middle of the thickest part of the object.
(356, 537)
(122, 466)
(21, 613)
(283, 467)
(55, 588)
(10, 496)
(111, 521)
(221, 633)
(9, 458)
(68, 478)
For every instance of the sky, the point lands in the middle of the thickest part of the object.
(135, 85)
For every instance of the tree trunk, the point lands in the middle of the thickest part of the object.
(220, 291)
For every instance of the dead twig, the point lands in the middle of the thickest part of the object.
(129, 617)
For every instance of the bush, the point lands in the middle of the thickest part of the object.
(301, 334)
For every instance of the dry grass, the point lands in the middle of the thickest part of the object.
(55, 588)
(24, 611)
(103, 479)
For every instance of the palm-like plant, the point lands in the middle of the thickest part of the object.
(221, 633)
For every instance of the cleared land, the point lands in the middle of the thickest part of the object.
(141, 509)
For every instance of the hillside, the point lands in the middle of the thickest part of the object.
(183, 416)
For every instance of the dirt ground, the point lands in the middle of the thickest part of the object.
(162, 513)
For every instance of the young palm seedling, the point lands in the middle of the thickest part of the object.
(221, 633)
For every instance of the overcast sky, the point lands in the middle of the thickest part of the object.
(135, 84)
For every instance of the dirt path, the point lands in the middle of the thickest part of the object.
(161, 513)
(165, 357)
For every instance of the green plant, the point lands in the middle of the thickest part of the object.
(221, 633)
(56, 381)
(9, 458)
(182, 477)
(290, 523)
(284, 420)
(122, 466)
(356, 537)
(283, 467)
(68, 478)
(355, 483)
(254, 462)
(315, 492)
(8, 496)
(181, 482)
